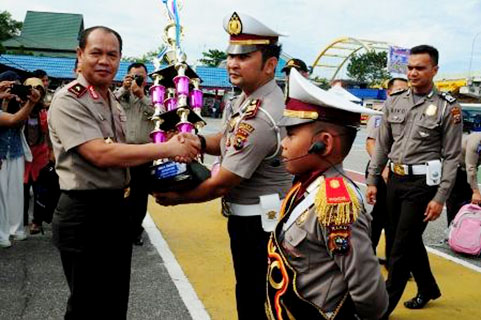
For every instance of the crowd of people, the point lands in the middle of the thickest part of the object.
(294, 217)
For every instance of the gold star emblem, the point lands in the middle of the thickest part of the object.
(271, 215)
(334, 184)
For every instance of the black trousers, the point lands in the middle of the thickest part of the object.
(461, 194)
(380, 218)
(139, 194)
(248, 243)
(407, 199)
(90, 229)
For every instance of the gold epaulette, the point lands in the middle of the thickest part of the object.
(336, 203)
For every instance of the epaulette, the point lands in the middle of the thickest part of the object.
(77, 89)
(336, 203)
(250, 110)
(397, 92)
(447, 96)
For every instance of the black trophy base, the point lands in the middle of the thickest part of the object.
(178, 177)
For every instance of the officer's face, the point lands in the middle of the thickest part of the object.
(246, 70)
(100, 58)
(296, 144)
(421, 72)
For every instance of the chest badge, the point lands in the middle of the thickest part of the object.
(431, 110)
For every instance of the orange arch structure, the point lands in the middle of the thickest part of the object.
(333, 57)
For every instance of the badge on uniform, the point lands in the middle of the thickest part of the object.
(251, 109)
(456, 113)
(338, 239)
(377, 122)
(431, 110)
(77, 89)
(93, 93)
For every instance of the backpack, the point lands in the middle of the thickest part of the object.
(465, 230)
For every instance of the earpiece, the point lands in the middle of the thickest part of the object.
(317, 147)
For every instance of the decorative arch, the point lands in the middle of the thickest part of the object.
(333, 57)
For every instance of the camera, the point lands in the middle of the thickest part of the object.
(21, 91)
(139, 80)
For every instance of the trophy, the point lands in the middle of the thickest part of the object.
(177, 102)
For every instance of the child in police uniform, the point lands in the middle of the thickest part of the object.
(321, 263)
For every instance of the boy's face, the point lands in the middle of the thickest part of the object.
(296, 144)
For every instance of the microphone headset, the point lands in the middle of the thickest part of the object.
(316, 147)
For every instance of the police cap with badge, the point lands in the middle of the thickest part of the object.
(248, 34)
(296, 64)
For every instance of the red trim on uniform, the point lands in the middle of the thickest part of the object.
(298, 105)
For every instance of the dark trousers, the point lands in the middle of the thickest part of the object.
(461, 194)
(139, 194)
(407, 199)
(90, 229)
(46, 191)
(248, 243)
(380, 218)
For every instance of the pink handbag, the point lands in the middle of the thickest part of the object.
(465, 230)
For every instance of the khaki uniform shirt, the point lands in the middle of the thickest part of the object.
(76, 117)
(414, 133)
(138, 112)
(471, 159)
(258, 141)
(323, 277)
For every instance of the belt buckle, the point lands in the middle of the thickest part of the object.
(399, 169)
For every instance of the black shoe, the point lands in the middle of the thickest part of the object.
(419, 301)
(138, 241)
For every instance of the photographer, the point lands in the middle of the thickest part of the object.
(138, 109)
(13, 150)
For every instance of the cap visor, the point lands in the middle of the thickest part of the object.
(240, 49)
(288, 121)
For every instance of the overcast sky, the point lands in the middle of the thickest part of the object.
(451, 26)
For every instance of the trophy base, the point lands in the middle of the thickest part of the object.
(177, 177)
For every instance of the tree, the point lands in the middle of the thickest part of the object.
(146, 57)
(369, 67)
(322, 83)
(213, 57)
(9, 28)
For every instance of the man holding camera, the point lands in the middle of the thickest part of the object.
(138, 109)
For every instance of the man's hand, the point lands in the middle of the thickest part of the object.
(5, 90)
(137, 90)
(433, 210)
(385, 174)
(476, 198)
(183, 147)
(168, 198)
(127, 83)
(34, 96)
(4, 85)
(371, 193)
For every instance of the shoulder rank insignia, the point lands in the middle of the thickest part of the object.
(77, 89)
(336, 203)
(93, 93)
(251, 109)
(448, 97)
(456, 113)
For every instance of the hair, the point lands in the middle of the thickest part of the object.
(270, 51)
(137, 65)
(390, 83)
(431, 51)
(39, 73)
(347, 134)
(82, 42)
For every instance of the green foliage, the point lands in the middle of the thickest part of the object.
(9, 28)
(213, 57)
(369, 67)
(146, 57)
(322, 83)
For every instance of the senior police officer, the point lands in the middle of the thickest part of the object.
(321, 263)
(380, 218)
(250, 179)
(420, 127)
(90, 225)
